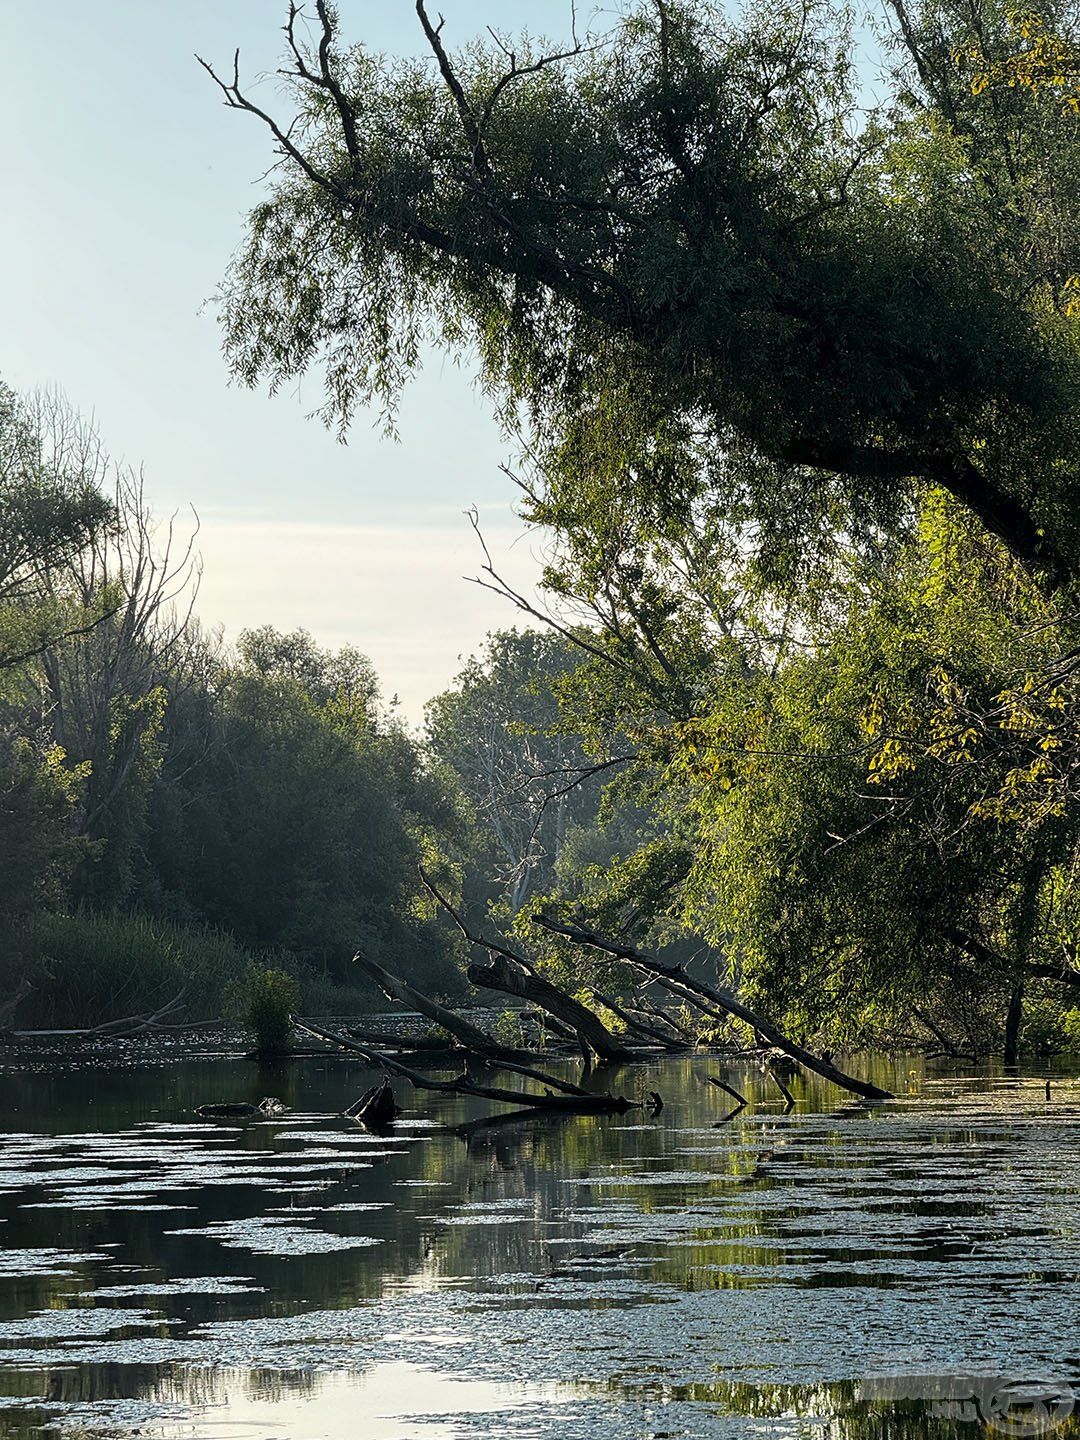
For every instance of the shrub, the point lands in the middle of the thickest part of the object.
(273, 996)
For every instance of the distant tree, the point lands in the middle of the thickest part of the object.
(525, 775)
(52, 468)
(303, 826)
(103, 692)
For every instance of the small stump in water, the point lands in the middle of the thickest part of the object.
(376, 1108)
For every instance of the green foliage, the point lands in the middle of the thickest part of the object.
(37, 849)
(157, 792)
(695, 267)
(50, 507)
(272, 998)
(90, 966)
(526, 776)
(509, 1029)
(303, 827)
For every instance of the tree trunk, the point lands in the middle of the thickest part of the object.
(469, 1035)
(499, 974)
(677, 977)
(577, 1103)
(1013, 1019)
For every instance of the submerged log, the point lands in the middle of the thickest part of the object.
(569, 1099)
(240, 1109)
(680, 982)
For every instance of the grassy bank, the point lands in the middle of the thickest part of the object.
(89, 967)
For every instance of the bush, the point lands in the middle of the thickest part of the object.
(273, 996)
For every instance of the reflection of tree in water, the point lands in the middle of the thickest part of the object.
(542, 1201)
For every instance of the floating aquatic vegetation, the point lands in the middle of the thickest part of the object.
(272, 1236)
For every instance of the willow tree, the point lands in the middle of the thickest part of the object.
(684, 248)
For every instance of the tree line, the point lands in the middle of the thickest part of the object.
(173, 807)
(792, 373)
(793, 379)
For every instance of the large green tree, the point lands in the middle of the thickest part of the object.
(293, 812)
(684, 249)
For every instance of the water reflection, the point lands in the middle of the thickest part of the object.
(840, 1271)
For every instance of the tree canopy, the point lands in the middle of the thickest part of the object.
(691, 257)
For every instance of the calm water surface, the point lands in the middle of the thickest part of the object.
(911, 1269)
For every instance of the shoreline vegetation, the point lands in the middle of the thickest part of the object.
(193, 832)
(791, 381)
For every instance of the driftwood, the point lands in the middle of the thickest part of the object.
(680, 982)
(581, 1102)
(115, 1029)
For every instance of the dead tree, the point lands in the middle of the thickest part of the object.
(157, 1020)
(469, 1036)
(571, 1098)
(510, 973)
(648, 1033)
(521, 981)
(681, 983)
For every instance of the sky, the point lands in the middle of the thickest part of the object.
(126, 183)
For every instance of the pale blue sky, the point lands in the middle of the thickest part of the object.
(125, 183)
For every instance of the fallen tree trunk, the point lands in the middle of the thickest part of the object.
(499, 974)
(654, 1012)
(114, 1029)
(639, 1027)
(576, 1102)
(387, 1038)
(677, 977)
(469, 1035)
(512, 974)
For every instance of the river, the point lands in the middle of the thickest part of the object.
(839, 1271)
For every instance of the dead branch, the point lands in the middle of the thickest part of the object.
(678, 976)
(513, 974)
(639, 1027)
(577, 1103)
(499, 974)
(778, 1080)
(113, 1029)
(12, 1003)
(728, 1089)
(470, 1036)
